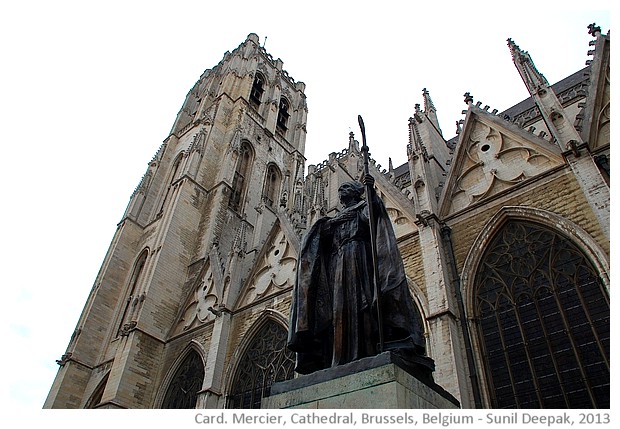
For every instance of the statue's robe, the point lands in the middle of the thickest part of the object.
(334, 310)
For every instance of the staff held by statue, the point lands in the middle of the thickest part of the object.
(373, 233)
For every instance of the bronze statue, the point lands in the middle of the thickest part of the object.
(337, 316)
(351, 298)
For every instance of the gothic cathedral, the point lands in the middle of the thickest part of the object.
(504, 231)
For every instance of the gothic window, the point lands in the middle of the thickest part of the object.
(283, 115)
(267, 360)
(272, 185)
(95, 398)
(256, 94)
(241, 176)
(182, 392)
(417, 316)
(173, 177)
(542, 316)
(136, 274)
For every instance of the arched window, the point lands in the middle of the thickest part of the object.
(283, 115)
(95, 398)
(173, 176)
(241, 176)
(272, 185)
(256, 94)
(542, 316)
(267, 360)
(182, 391)
(136, 274)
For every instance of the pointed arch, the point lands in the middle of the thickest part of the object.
(184, 380)
(258, 87)
(95, 398)
(263, 360)
(132, 288)
(553, 221)
(539, 305)
(271, 188)
(283, 115)
(172, 177)
(420, 305)
(242, 175)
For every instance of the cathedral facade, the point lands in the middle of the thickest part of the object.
(503, 229)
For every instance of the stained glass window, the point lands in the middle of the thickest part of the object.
(183, 390)
(267, 360)
(542, 314)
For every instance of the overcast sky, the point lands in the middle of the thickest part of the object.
(89, 90)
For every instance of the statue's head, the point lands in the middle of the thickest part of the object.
(350, 192)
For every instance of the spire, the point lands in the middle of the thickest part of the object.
(429, 109)
(353, 144)
(556, 119)
(428, 103)
(533, 79)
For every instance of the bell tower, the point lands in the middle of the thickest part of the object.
(226, 173)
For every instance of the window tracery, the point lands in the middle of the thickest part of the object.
(182, 392)
(267, 360)
(542, 315)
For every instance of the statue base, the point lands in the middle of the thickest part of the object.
(382, 381)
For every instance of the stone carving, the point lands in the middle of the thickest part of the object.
(277, 272)
(492, 162)
(202, 305)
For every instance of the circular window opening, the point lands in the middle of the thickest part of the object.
(485, 147)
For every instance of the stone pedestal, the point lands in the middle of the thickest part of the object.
(382, 381)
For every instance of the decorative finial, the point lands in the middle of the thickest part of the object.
(533, 79)
(353, 146)
(514, 48)
(428, 103)
(468, 98)
(593, 29)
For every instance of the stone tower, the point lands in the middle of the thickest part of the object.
(201, 217)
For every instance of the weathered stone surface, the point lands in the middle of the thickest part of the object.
(382, 381)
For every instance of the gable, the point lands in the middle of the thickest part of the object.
(492, 156)
(201, 303)
(400, 213)
(397, 203)
(274, 270)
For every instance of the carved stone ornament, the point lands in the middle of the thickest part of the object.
(128, 328)
(277, 272)
(64, 359)
(493, 162)
(201, 307)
